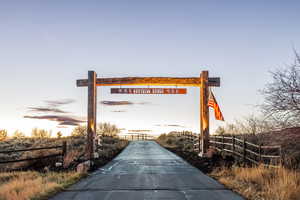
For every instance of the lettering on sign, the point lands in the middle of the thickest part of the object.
(148, 90)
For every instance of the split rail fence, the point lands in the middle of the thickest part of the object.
(134, 137)
(270, 156)
(63, 152)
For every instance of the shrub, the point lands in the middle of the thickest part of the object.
(18, 135)
(79, 131)
(3, 135)
(58, 134)
(40, 133)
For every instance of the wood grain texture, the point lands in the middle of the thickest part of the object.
(163, 81)
(92, 111)
(204, 112)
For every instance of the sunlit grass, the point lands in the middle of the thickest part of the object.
(34, 185)
(261, 183)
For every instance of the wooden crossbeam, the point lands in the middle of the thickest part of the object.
(203, 82)
(163, 81)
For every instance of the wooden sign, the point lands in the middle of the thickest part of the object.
(148, 91)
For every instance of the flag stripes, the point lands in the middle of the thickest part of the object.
(212, 102)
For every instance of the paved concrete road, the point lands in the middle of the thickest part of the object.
(146, 171)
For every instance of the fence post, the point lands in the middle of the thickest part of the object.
(281, 156)
(223, 146)
(64, 151)
(96, 144)
(244, 149)
(259, 151)
(216, 140)
(233, 144)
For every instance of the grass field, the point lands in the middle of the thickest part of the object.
(41, 179)
(261, 183)
(26, 185)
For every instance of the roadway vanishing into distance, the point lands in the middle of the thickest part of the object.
(147, 171)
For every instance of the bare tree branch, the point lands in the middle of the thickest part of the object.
(282, 95)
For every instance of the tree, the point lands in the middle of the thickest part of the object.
(40, 133)
(3, 135)
(220, 130)
(18, 135)
(248, 125)
(79, 131)
(282, 95)
(102, 129)
(107, 129)
(58, 134)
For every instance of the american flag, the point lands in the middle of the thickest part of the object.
(212, 102)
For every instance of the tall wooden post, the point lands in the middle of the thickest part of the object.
(204, 112)
(92, 111)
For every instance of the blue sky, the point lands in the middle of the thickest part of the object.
(47, 45)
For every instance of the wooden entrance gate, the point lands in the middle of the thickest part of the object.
(203, 82)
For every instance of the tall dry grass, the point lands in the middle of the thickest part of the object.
(261, 183)
(34, 185)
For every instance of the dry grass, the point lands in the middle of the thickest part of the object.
(71, 156)
(173, 140)
(34, 185)
(21, 185)
(261, 183)
(75, 152)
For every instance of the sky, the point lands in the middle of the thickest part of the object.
(45, 46)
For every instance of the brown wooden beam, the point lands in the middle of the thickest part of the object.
(204, 112)
(92, 111)
(163, 81)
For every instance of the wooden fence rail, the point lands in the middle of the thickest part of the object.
(248, 151)
(63, 152)
(133, 137)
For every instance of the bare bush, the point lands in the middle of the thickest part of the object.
(40, 133)
(282, 96)
(250, 125)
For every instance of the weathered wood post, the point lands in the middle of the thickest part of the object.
(92, 111)
(204, 112)
(64, 151)
(223, 145)
(96, 144)
(233, 144)
(244, 149)
(281, 162)
(259, 152)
